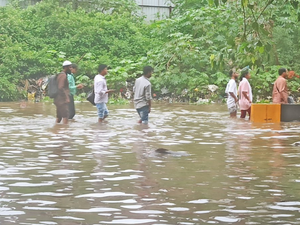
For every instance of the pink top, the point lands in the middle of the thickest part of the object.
(245, 87)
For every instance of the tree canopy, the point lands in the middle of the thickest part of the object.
(196, 46)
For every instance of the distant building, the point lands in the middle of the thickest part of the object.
(151, 9)
(3, 2)
(155, 9)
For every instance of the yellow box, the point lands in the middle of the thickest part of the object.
(265, 113)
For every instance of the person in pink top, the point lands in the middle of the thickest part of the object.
(245, 93)
(280, 92)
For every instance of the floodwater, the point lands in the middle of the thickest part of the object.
(224, 171)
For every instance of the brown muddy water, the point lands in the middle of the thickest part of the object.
(232, 171)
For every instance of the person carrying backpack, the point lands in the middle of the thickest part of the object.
(62, 99)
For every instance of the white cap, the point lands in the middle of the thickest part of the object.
(67, 63)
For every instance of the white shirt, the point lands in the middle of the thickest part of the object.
(100, 89)
(231, 87)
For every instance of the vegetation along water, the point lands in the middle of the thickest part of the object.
(192, 49)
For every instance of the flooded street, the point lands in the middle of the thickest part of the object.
(221, 171)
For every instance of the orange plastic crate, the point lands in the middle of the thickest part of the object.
(266, 113)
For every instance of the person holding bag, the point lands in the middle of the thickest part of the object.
(101, 93)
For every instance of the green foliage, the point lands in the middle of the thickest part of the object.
(194, 48)
(42, 44)
(126, 70)
(8, 90)
(35, 41)
(47, 99)
(188, 57)
(262, 83)
(108, 6)
(80, 97)
(118, 101)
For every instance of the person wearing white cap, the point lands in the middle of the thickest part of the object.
(62, 99)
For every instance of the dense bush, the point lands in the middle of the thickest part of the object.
(35, 41)
(194, 48)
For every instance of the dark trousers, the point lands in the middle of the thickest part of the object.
(71, 107)
(244, 112)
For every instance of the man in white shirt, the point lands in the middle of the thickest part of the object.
(101, 93)
(142, 94)
(231, 91)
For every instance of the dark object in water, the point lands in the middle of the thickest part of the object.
(297, 143)
(162, 151)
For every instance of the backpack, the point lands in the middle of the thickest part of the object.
(52, 86)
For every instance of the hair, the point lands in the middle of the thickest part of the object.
(74, 66)
(281, 71)
(101, 67)
(147, 69)
(230, 73)
(244, 72)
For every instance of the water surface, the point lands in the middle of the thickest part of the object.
(233, 172)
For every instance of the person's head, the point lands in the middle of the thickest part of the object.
(67, 66)
(147, 71)
(245, 73)
(282, 72)
(102, 69)
(74, 68)
(233, 74)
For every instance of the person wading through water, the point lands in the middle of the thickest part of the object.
(245, 93)
(142, 94)
(73, 87)
(231, 91)
(280, 91)
(62, 99)
(101, 93)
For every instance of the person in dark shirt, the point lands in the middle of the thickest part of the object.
(61, 101)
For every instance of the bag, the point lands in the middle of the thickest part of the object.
(290, 100)
(52, 86)
(91, 97)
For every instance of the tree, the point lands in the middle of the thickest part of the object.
(105, 6)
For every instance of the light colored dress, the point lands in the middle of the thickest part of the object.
(245, 87)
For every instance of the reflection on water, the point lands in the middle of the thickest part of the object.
(233, 172)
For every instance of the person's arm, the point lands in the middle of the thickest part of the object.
(245, 94)
(101, 90)
(109, 91)
(80, 86)
(233, 95)
(148, 96)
